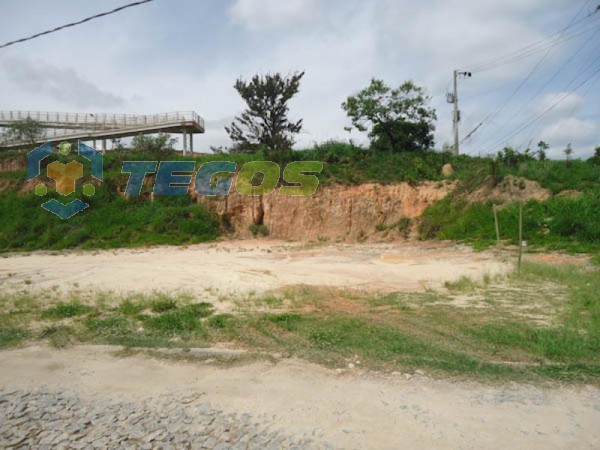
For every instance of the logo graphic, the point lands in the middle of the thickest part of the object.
(65, 176)
(169, 178)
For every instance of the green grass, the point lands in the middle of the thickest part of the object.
(501, 339)
(66, 310)
(163, 305)
(114, 222)
(110, 222)
(11, 336)
(559, 223)
(463, 284)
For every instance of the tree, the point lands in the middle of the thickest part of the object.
(264, 124)
(27, 130)
(542, 148)
(397, 119)
(163, 142)
(596, 158)
(568, 152)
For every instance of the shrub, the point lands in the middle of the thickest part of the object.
(256, 230)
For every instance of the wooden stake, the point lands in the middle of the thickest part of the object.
(520, 235)
(497, 225)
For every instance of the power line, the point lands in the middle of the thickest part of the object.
(62, 27)
(536, 94)
(562, 36)
(573, 28)
(553, 106)
(553, 77)
(566, 95)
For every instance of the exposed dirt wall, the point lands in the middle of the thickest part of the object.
(335, 213)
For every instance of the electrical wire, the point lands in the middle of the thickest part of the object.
(551, 107)
(62, 27)
(562, 37)
(536, 47)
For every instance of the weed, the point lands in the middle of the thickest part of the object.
(58, 336)
(258, 230)
(66, 310)
(173, 323)
(463, 284)
(221, 321)
(130, 308)
(163, 305)
(116, 325)
(199, 310)
(11, 336)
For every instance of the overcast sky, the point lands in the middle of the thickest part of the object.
(172, 55)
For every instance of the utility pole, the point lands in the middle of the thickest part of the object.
(456, 116)
(453, 98)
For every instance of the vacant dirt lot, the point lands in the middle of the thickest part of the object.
(106, 400)
(212, 270)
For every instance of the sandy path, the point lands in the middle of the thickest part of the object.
(243, 266)
(352, 410)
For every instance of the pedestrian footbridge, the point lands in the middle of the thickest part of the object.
(59, 127)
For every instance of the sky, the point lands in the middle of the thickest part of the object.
(184, 55)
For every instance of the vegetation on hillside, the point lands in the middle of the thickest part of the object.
(560, 223)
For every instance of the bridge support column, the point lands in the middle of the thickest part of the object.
(94, 144)
(192, 143)
(184, 142)
(103, 145)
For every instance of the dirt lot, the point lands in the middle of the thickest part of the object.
(237, 267)
(308, 405)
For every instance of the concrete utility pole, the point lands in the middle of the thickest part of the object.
(456, 115)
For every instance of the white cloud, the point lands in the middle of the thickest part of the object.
(572, 130)
(267, 14)
(560, 104)
(63, 85)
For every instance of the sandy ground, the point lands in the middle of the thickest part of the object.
(350, 410)
(212, 270)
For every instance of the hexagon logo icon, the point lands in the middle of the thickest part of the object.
(65, 176)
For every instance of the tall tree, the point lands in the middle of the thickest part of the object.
(568, 152)
(265, 124)
(542, 148)
(397, 119)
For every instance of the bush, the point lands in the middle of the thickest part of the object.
(261, 230)
(573, 224)
(153, 144)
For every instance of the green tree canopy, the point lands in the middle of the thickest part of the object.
(397, 119)
(264, 124)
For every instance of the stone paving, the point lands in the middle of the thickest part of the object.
(50, 419)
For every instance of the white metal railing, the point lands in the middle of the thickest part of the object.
(71, 124)
(102, 120)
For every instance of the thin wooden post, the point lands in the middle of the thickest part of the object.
(497, 226)
(520, 235)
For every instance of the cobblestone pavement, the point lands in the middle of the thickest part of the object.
(47, 419)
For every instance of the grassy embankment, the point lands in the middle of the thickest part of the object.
(572, 224)
(541, 326)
